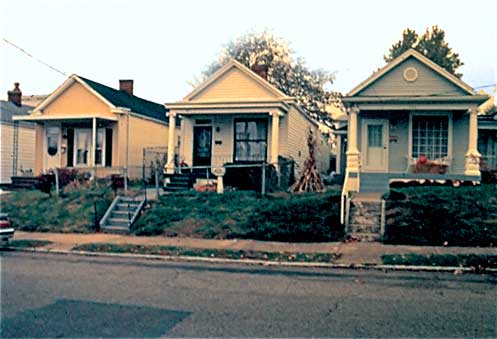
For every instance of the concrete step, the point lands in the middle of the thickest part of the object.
(126, 206)
(115, 229)
(169, 188)
(117, 222)
(355, 228)
(366, 237)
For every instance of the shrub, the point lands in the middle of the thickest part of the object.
(456, 216)
(301, 218)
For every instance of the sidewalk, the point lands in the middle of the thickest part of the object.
(354, 253)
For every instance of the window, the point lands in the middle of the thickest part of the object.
(99, 150)
(430, 136)
(375, 135)
(82, 146)
(52, 140)
(250, 140)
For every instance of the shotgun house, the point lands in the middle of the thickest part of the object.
(92, 127)
(236, 118)
(409, 121)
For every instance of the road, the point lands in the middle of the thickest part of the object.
(46, 295)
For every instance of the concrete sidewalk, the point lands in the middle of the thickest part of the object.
(354, 253)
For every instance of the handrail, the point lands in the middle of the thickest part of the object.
(109, 211)
(138, 209)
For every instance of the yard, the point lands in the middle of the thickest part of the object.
(442, 216)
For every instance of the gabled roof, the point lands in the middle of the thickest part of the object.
(112, 97)
(411, 53)
(226, 68)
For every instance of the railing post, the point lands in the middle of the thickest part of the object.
(96, 222)
(125, 180)
(56, 172)
(263, 179)
(157, 182)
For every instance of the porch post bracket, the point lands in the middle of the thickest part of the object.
(170, 143)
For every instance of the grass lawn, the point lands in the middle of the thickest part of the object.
(29, 243)
(307, 217)
(32, 210)
(478, 261)
(207, 253)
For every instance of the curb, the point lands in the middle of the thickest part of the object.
(255, 262)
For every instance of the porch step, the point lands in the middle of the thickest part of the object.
(121, 214)
(180, 182)
(23, 182)
(365, 217)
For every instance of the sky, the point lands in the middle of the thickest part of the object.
(164, 45)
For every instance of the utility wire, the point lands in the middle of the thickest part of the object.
(31, 56)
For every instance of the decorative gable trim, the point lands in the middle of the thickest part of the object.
(223, 70)
(62, 88)
(421, 58)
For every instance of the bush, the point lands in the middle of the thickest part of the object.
(456, 216)
(301, 218)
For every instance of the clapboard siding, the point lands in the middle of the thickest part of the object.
(234, 85)
(26, 150)
(427, 83)
(298, 127)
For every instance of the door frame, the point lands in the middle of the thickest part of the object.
(193, 144)
(386, 146)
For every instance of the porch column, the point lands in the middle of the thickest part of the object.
(338, 158)
(472, 165)
(275, 138)
(93, 142)
(352, 150)
(170, 143)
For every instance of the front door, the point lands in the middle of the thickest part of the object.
(202, 142)
(375, 145)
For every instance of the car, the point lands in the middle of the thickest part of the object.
(6, 229)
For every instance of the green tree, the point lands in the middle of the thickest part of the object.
(431, 44)
(287, 73)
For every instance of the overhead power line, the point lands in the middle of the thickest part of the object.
(31, 56)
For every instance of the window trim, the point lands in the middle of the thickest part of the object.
(235, 121)
(431, 113)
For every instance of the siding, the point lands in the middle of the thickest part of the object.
(296, 143)
(144, 133)
(77, 101)
(428, 82)
(26, 149)
(234, 85)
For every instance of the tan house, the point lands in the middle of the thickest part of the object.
(90, 126)
(237, 117)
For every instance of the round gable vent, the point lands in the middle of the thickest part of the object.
(410, 74)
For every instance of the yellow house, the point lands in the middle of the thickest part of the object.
(237, 117)
(89, 126)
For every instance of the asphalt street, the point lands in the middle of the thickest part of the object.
(46, 295)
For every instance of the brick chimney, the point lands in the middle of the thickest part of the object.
(15, 95)
(261, 70)
(126, 86)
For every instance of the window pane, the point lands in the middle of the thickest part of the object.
(82, 147)
(250, 140)
(52, 140)
(99, 147)
(375, 135)
(430, 136)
